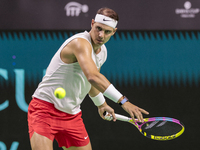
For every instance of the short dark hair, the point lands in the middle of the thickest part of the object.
(108, 12)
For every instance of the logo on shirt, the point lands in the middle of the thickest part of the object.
(85, 137)
(74, 9)
(188, 11)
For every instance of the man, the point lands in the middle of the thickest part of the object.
(75, 67)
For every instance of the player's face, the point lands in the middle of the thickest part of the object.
(101, 33)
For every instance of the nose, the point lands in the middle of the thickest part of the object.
(101, 34)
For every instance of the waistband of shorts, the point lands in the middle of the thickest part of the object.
(51, 105)
(43, 102)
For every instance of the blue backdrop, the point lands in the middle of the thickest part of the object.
(157, 55)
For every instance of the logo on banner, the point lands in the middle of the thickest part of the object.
(74, 9)
(188, 11)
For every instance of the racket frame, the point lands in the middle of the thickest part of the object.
(138, 125)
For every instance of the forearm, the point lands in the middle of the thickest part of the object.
(108, 89)
(99, 82)
(93, 92)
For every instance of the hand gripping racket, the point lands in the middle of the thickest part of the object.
(156, 128)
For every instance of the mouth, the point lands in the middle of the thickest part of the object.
(100, 41)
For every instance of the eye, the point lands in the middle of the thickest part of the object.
(108, 32)
(99, 28)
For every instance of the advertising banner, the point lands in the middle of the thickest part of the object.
(77, 14)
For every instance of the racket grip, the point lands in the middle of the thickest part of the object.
(122, 118)
(119, 117)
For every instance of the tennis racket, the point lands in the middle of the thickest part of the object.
(156, 128)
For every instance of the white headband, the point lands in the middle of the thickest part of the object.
(106, 20)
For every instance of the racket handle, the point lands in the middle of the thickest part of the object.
(122, 118)
(119, 117)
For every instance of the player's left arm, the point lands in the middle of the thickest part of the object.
(134, 111)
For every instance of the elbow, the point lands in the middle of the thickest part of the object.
(92, 79)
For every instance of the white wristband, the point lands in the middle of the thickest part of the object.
(112, 93)
(98, 99)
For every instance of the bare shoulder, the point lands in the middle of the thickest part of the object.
(78, 45)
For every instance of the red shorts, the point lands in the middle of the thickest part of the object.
(68, 130)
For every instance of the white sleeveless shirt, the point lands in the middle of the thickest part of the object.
(68, 76)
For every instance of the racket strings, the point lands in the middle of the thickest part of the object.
(161, 128)
(161, 124)
(148, 126)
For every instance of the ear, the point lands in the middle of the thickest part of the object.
(114, 31)
(92, 23)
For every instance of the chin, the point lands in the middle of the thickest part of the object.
(100, 44)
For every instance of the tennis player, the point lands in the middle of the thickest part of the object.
(75, 67)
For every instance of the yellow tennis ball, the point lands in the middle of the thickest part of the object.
(60, 93)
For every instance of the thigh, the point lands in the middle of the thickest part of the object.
(87, 147)
(73, 133)
(39, 120)
(39, 142)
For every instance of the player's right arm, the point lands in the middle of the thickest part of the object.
(99, 100)
(79, 50)
(82, 50)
